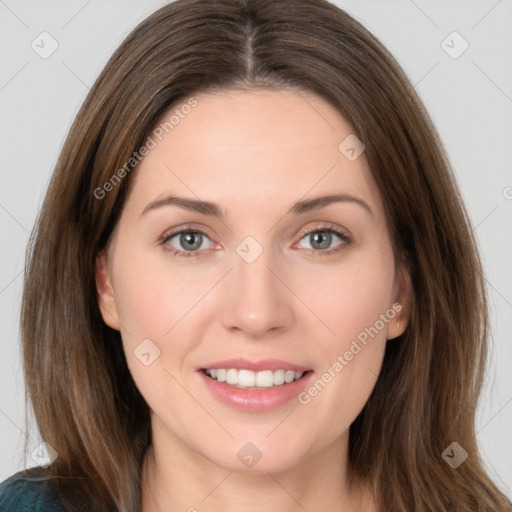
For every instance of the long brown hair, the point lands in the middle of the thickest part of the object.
(85, 402)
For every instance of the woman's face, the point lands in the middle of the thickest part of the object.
(226, 257)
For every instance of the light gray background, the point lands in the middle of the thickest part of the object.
(469, 98)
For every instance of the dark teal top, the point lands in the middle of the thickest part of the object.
(27, 491)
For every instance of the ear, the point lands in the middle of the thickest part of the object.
(402, 301)
(106, 296)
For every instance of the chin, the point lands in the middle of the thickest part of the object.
(257, 457)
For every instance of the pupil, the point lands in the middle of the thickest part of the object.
(187, 239)
(322, 238)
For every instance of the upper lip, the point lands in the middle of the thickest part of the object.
(256, 366)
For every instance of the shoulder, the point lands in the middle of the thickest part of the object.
(28, 491)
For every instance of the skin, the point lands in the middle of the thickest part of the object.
(254, 153)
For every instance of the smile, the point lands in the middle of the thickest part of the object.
(255, 390)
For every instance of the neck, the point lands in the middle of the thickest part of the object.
(175, 477)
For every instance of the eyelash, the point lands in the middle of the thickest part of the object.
(329, 228)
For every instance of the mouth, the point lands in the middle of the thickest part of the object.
(251, 385)
(254, 380)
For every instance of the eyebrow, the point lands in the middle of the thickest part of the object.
(212, 209)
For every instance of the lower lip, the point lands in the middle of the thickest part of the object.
(256, 400)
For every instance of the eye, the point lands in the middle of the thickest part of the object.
(322, 239)
(187, 243)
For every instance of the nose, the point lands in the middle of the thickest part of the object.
(258, 302)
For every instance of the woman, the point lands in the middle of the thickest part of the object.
(187, 349)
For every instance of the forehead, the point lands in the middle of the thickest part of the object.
(249, 147)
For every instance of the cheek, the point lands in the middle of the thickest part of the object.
(153, 293)
(156, 306)
(162, 306)
(356, 308)
(350, 299)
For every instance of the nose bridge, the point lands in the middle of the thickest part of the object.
(259, 302)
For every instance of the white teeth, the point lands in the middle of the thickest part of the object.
(246, 378)
(265, 379)
(250, 379)
(278, 377)
(232, 376)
